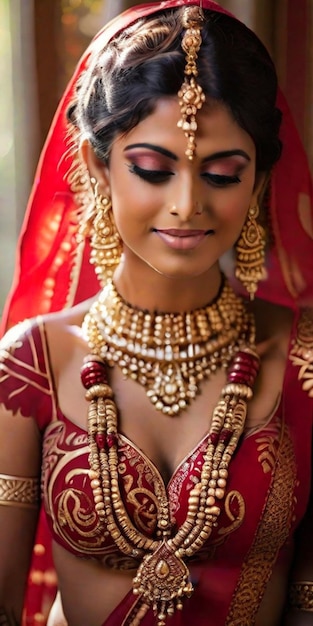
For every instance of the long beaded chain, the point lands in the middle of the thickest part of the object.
(162, 579)
(169, 354)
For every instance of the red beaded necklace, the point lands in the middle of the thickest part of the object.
(162, 579)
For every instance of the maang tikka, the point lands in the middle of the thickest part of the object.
(105, 242)
(191, 96)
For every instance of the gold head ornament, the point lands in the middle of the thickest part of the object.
(191, 96)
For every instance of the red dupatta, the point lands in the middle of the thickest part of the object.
(53, 271)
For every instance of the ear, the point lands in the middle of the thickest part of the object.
(96, 168)
(260, 185)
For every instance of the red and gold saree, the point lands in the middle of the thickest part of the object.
(53, 272)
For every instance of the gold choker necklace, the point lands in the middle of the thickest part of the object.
(169, 354)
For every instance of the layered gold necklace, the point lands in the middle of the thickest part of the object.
(220, 335)
(169, 354)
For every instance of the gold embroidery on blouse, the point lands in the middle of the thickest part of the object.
(26, 374)
(272, 532)
(68, 503)
(145, 506)
(301, 354)
(145, 501)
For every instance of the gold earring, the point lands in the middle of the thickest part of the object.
(105, 242)
(250, 253)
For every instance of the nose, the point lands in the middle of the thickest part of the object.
(186, 203)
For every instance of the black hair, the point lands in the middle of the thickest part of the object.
(146, 62)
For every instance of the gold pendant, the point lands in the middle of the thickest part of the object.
(168, 389)
(162, 580)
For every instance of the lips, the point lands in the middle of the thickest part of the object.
(182, 232)
(182, 239)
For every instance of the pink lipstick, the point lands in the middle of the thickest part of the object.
(181, 239)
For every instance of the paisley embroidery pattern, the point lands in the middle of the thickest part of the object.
(301, 354)
(267, 447)
(235, 510)
(69, 500)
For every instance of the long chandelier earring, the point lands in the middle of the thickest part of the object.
(105, 242)
(250, 253)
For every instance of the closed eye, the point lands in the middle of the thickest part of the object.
(220, 180)
(151, 176)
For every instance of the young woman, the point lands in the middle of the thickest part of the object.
(169, 416)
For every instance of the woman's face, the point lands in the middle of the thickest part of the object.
(175, 215)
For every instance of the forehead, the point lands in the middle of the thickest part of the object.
(217, 128)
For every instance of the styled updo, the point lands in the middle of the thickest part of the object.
(146, 62)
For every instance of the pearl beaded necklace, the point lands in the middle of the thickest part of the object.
(162, 579)
(169, 354)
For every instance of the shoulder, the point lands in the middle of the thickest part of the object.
(30, 354)
(293, 333)
(285, 338)
(274, 326)
(290, 330)
(25, 382)
(64, 335)
(53, 333)
(21, 337)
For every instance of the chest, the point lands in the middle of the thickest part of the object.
(167, 440)
(161, 458)
(265, 469)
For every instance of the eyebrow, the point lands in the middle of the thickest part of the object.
(211, 157)
(151, 146)
(226, 154)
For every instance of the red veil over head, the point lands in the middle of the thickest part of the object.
(53, 272)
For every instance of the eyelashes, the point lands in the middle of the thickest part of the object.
(221, 180)
(151, 176)
(162, 176)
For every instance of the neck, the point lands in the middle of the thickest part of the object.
(169, 353)
(152, 291)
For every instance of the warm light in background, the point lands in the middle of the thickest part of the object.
(7, 157)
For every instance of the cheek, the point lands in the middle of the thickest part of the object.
(233, 212)
(233, 207)
(135, 208)
(130, 215)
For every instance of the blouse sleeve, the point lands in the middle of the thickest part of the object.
(26, 383)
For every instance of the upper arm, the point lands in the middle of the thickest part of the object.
(20, 460)
(26, 404)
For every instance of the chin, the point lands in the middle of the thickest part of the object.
(179, 273)
(177, 267)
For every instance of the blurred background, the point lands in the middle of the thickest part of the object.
(40, 43)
